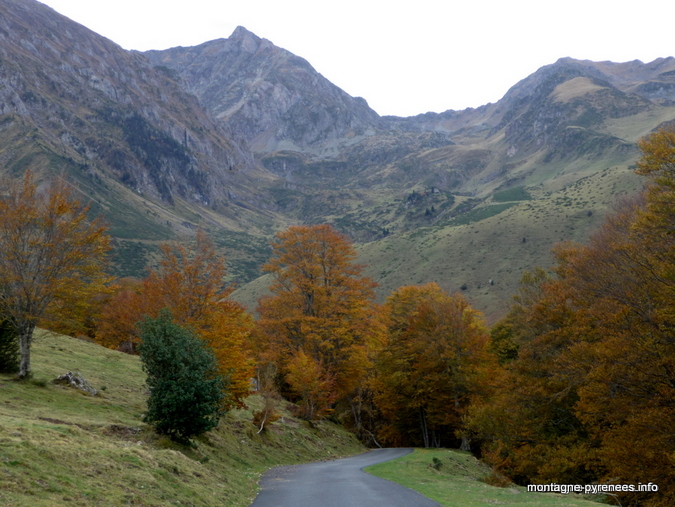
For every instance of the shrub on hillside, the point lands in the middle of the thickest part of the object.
(186, 390)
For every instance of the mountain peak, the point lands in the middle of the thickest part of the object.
(268, 95)
(247, 40)
(241, 32)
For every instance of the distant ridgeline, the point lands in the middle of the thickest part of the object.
(243, 138)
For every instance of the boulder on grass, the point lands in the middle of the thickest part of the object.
(75, 379)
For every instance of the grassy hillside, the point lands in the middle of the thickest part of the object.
(497, 239)
(61, 447)
(496, 246)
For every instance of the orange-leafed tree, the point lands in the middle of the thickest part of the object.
(190, 282)
(116, 327)
(527, 421)
(625, 277)
(589, 396)
(430, 368)
(51, 255)
(321, 305)
(308, 379)
(226, 328)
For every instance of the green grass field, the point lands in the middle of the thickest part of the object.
(454, 479)
(61, 447)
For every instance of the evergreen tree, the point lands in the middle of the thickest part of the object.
(186, 390)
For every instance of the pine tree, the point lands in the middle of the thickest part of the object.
(186, 389)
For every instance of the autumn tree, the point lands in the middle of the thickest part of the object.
(189, 280)
(51, 254)
(313, 383)
(190, 283)
(428, 370)
(626, 352)
(320, 311)
(621, 287)
(117, 326)
(527, 422)
(226, 329)
(626, 401)
(589, 396)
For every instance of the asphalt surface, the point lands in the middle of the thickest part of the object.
(337, 483)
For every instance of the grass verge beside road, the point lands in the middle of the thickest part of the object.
(454, 479)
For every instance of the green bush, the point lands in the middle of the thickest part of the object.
(186, 391)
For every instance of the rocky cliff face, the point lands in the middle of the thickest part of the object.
(273, 98)
(107, 112)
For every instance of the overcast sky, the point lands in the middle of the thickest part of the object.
(404, 58)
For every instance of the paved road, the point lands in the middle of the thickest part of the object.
(337, 483)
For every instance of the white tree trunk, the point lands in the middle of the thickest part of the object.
(25, 339)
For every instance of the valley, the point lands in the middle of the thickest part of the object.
(242, 138)
(484, 279)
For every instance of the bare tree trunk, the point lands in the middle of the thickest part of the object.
(464, 446)
(425, 429)
(25, 339)
(262, 424)
(435, 439)
(372, 437)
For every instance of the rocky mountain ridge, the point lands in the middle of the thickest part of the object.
(243, 138)
(107, 114)
(551, 115)
(266, 94)
(451, 178)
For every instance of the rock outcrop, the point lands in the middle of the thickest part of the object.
(76, 380)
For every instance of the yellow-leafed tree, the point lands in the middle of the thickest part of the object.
(321, 309)
(190, 283)
(51, 255)
(431, 366)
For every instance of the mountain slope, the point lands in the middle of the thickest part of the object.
(100, 104)
(266, 94)
(243, 138)
(129, 138)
